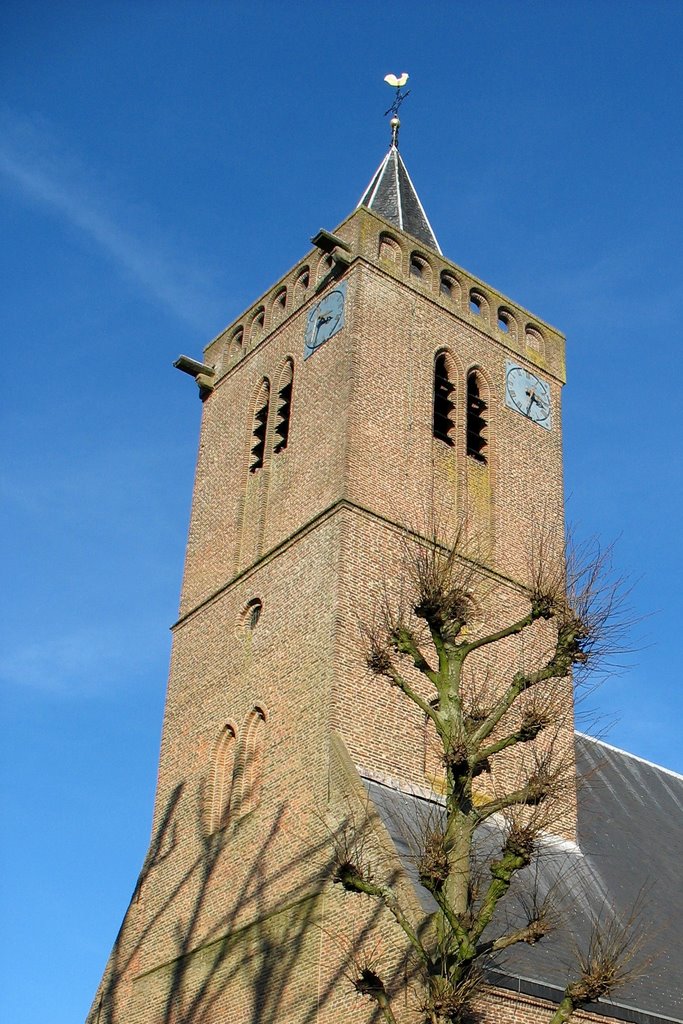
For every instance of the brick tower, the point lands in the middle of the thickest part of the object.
(375, 390)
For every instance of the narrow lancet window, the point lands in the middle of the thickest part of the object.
(260, 428)
(283, 410)
(443, 402)
(477, 426)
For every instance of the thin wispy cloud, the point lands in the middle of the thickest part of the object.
(605, 288)
(81, 662)
(35, 164)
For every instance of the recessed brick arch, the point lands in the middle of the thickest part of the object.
(390, 249)
(219, 790)
(278, 306)
(479, 304)
(249, 766)
(450, 287)
(420, 269)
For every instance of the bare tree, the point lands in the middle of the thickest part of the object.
(482, 705)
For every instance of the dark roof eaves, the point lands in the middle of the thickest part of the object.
(553, 994)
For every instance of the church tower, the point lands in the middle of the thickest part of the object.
(375, 393)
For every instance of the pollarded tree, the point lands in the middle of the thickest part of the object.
(431, 651)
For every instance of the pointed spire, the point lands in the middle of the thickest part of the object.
(392, 195)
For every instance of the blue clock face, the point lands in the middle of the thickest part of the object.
(528, 394)
(325, 320)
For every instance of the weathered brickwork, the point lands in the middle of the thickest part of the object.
(234, 918)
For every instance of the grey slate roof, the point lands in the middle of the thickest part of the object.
(392, 195)
(630, 841)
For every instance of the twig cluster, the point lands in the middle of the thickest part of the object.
(572, 613)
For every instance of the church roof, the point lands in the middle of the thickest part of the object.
(630, 848)
(392, 195)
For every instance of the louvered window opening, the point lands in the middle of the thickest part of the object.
(283, 412)
(476, 421)
(443, 405)
(258, 449)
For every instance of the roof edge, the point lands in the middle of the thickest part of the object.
(553, 994)
(627, 753)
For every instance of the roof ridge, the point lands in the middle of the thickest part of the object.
(620, 750)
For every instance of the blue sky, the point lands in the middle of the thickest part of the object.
(161, 164)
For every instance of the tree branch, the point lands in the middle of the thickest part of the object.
(397, 680)
(351, 879)
(405, 643)
(532, 933)
(466, 948)
(523, 735)
(503, 871)
(500, 634)
(557, 667)
(516, 687)
(369, 984)
(533, 793)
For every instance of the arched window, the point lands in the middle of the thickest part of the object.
(389, 249)
(301, 284)
(236, 344)
(220, 786)
(249, 769)
(476, 303)
(507, 323)
(260, 428)
(534, 339)
(325, 266)
(283, 410)
(448, 286)
(477, 426)
(442, 422)
(420, 268)
(279, 305)
(257, 324)
(252, 613)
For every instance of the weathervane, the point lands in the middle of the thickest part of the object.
(396, 83)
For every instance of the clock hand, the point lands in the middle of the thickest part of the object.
(320, 322)
(532, 398)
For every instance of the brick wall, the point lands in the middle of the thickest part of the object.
(318, 536)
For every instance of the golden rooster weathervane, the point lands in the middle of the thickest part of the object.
(396, 82)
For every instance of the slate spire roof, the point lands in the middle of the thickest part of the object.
(392, 195)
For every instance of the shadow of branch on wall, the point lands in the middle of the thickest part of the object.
(189, 945)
